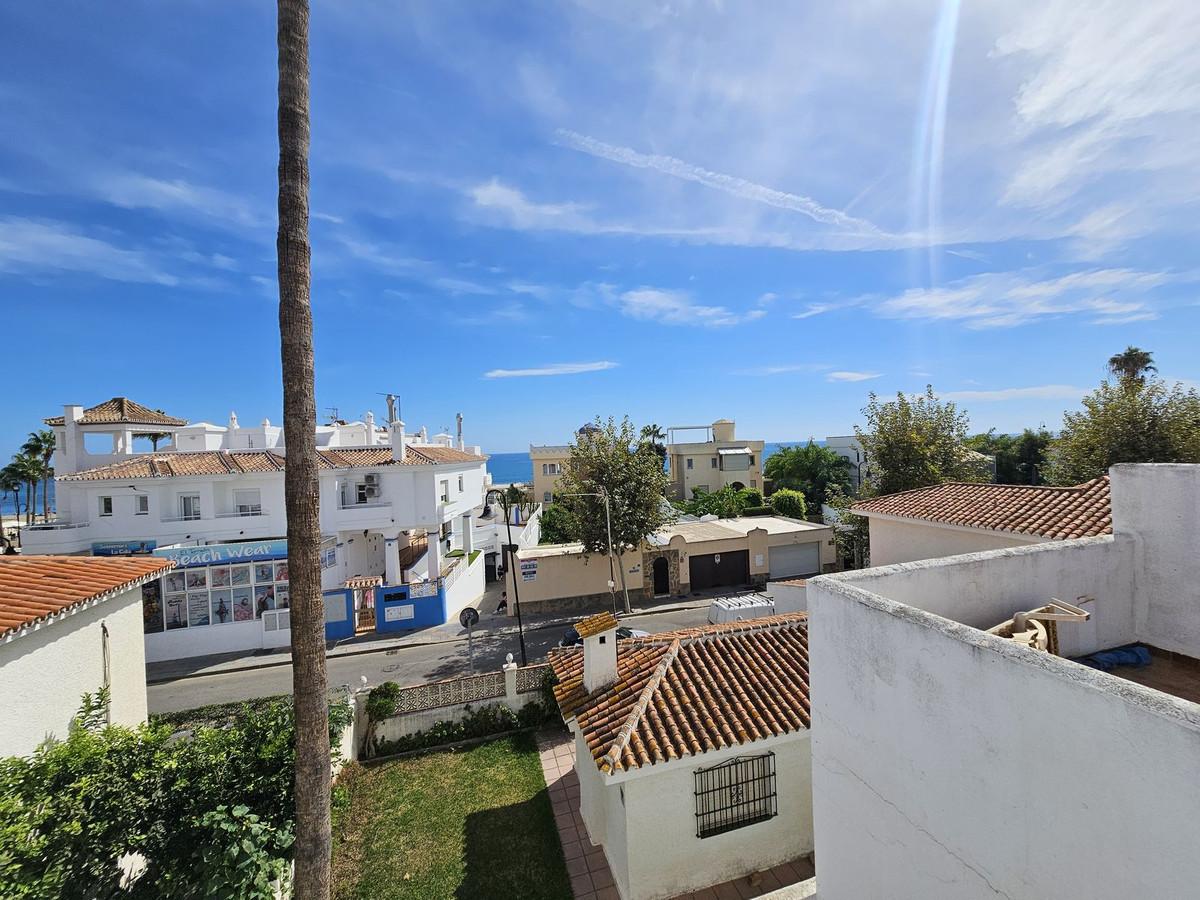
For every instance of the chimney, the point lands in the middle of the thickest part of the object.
(67, 457)
(370, 418)
(233, 422)
(599, 633)
(458, 422)
(399, 440)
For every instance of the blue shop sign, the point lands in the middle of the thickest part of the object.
(123, 548)
(215, 554)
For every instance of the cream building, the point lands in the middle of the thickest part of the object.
(548, 461)
(718, 461)
(69, 626)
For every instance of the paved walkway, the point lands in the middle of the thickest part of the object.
(591, 878)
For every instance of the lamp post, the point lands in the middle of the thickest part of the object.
(511, 548)
(608, 530)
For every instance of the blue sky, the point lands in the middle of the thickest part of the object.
(537, 213)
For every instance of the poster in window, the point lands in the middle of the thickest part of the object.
(264, 599)
(152, 608)
(263, 572)
(218, 576)
(281, 571)
(222, 607)
(197, 608)
(243, 605)
(173, 583)
(176, 611)
(239, 575)
(197, 579)
(282, 596)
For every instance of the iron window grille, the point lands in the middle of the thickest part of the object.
(735, 794)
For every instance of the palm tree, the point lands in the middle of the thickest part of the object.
(309, 683)
(41, 446)
(28, 468)
(10, 483)
(1132, 364)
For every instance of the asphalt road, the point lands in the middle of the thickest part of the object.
(406, 665)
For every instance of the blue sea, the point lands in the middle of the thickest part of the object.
(507, 468)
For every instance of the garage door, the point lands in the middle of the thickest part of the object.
(794, 560)
(711, 570)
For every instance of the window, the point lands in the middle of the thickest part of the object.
(444, 494)
(460, 484)
(248, 502)
(141, 504)
(551, 469)
(189, 506)
(689, 462)
(361, 494)
(735, 794)
(547, 497)
(753, 483)
(106, 506)
(447, 530)
(713, 462)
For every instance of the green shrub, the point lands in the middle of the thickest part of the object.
(494, 718)
(789, 503)
(757, 511)
(750, 497)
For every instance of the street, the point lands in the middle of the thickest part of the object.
(405, 665)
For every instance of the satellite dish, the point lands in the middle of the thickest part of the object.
(469, 617)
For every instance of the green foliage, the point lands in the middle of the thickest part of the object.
(1132, 364)
(811, 469)
(726, 503)
(382, 700)
(758, 511)
(751, 496)
(915, 442)
(495, 718)
(614, 459)
(1133, 421)
(559, 525)
(216, 715)
(1020, 459)
(850, 532)
(789, 503)
(211, 812)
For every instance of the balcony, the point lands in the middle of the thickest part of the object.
(251, 513)
(194, 517)
(55, 526)
(372, 504)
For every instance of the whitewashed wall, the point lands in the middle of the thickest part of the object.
(951, 764)
(896, 541)
(44, 673)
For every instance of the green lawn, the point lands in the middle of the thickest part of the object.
(470, 824)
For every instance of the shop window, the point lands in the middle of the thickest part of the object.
(141, 504)
(106, 506)
(735, 794)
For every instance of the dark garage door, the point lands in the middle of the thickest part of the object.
(733, 570)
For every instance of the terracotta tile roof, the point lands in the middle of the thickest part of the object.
(174, 464)
(1050, 512)
(121, 411)
(683, 693)
(33, 588)
(596, 624)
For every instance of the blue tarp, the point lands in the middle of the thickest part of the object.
(1131, 655)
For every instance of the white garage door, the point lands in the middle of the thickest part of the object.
(795, 559)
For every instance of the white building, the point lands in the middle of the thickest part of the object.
(961, 517)
(692, 750)
(69, 626)
(849, 448)
(395, 510)
(949, 762)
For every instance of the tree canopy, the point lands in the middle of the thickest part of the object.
(1132, 421)
(789, 503)
(726, 503)
(559, 525)
(913, 442)
(615, 459)
(1132, 364)
(810, 469)
(1020, 458)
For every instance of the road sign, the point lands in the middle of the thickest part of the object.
(469, 617)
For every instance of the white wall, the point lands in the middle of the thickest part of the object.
(466, 590)
(44, 673)
(951, 764)
(202, 640)
(896, 541)
(652, 831)
(789, 597)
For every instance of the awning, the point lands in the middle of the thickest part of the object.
(734, 451)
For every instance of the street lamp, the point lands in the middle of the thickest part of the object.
(511, 548)
(608, 530)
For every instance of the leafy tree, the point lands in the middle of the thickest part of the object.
(851, 532)
(559, 525)
(1132, 364)
(40, 446)
(1129, 422)
(10, 483)
(811, 469)
(789, 503)
(915, 442)
(614, 460)
(1020, 459)
(655, 436)
(726, 503)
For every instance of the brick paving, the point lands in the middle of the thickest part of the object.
(591, 878)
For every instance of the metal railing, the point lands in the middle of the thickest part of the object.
(242, 514)
(414, 551)
(56, 526)
(375, 504)
(194, 518)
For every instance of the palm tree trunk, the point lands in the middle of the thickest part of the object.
(313, 841)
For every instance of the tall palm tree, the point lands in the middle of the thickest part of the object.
(1132, 364)
(41, 446)
(10, 483)
(28, 468)
(309, 684)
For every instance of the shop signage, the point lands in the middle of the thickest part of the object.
(529, 570)
(123, 548)
(212, 554)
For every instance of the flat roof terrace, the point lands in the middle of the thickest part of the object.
(1171, 673)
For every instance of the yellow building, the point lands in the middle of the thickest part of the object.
(719, 460)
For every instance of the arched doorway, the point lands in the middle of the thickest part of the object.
(738, 486)
(662, 577)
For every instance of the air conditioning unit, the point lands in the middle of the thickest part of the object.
(372, 489)
(371, 479)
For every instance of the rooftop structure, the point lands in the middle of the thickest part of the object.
(121, 411)
(720, 460)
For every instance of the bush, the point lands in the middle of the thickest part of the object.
(495, 718)
(789, 503)
(757, 511)
(750, 497)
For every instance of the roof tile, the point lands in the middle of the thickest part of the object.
(121, 411)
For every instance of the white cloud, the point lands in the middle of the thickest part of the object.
(814, 309)
(35, 247)
(552, 369)
(852, 376)
(1000, 300)
(1037, 392)
(672, 307)
(785, 369)
(132, 190)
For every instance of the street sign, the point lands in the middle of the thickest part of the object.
(469, 617)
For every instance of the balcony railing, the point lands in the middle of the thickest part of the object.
(413, 551)
(195, 517)
(57, 526)
(373, 504)
(243, 514)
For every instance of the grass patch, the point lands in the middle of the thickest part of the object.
(476, 823)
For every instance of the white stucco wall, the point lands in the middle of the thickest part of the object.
(44, 673)
(905, 540)
(649, 833)
(789, 597)
(951, 764)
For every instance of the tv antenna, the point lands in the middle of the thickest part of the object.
(393, 406)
